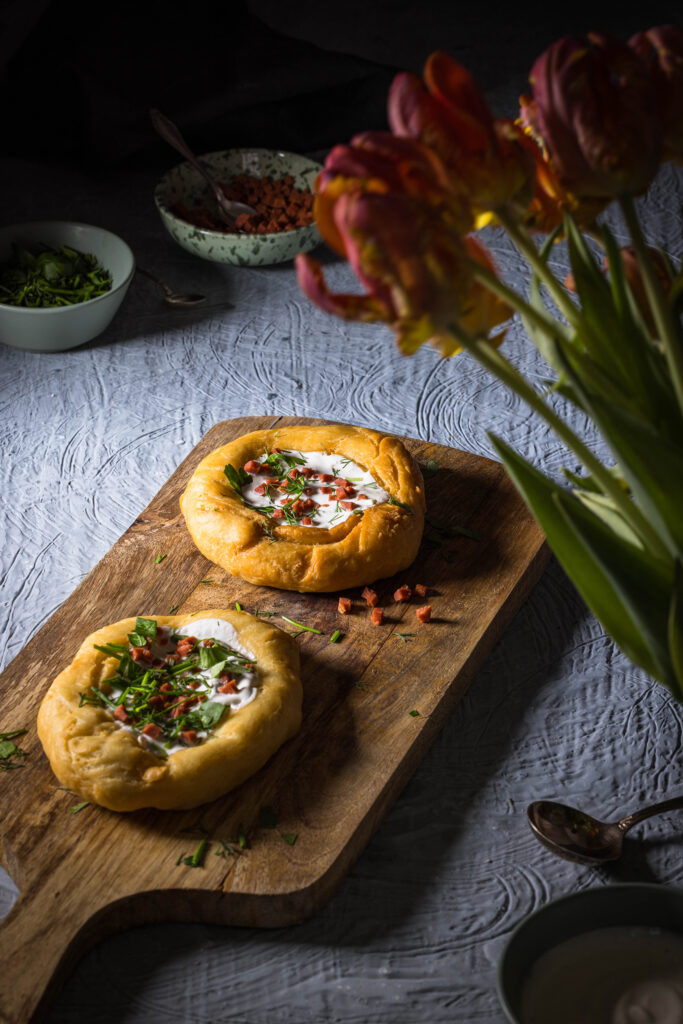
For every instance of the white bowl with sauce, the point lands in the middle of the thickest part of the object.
(603, 956)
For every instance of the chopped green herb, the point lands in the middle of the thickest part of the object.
(430, 469)
(305, 629)
(206, 583)
(264, 615)
(267, 817)
(359, 685)
(173, 608)
(137, 639)
(336, 637)
(401, 504)
(196, 860)
(9, 751)
(242, 840)
(146, 627)
(290, 837)
(225, 849)
(207, 715)
(405, 637)
(238, 606)
(51, 277)
(160, 558)
(414, 713)
(75, 808)
(237, 478)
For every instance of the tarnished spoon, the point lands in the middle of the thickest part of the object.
(579, 837)
(178, 301)
(228, 209)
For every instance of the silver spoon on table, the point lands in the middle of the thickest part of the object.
(579, 837)
(175, 299)
(228, 209)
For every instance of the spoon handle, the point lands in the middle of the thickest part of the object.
(153, 277)
(169, 133)
(648, 812)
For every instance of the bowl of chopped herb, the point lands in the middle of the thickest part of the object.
(61, 283)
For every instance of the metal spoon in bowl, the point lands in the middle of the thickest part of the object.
(579, 837)
(178, 301)
(228, 209)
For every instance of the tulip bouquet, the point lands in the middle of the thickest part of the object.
(403, 207)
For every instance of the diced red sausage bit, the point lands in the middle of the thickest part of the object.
(344, 606)
(272, 481)
(253, 467)
(208, 643)
(298, 507)
(277, 450)
(307, 472)
(370, 596)
(420, 590)
(283, 486)
(293, 474)
(158, 663)
(229, 686)
(189, 736)
(261, 489)
(348, 505)
(307, 521)
(166, 687)
(140, 654)
(377, 617)
(403, 593)
(362, 497)
(341, 482)
(424, 614)
(193, 684)
(325, 478)
(326, 490)
(278, 513)
(157, 701)
(340, 492)
(152, 730)
(350, 492)
(121, 714)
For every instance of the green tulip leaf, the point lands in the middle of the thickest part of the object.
(621, 586)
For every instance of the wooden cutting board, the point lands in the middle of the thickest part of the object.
(83, 875)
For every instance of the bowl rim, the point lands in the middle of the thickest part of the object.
(584, 895)
(165, 210)
(43, 310)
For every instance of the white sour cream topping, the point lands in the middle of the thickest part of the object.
(203, 629)
(327, 511)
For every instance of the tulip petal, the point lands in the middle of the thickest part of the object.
(349, 307)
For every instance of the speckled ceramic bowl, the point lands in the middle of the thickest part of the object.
(57, 328)
(184, 184)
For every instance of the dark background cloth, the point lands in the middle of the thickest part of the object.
(77, 79)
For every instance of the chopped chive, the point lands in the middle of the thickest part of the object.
(75, 808)
(173, 608)
(305, 629)
(430, 469)
(205, 583)
(359, 685)
(405, 637)
(160, 558)
(196, 860)
(336, 636)
(242, 840)
(238, 606)
(414, 713)
(401, 504)
(264, 615)
(290, 837)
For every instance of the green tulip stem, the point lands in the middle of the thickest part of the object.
(491, 359)
(524, 242)
(547, 324)
(657, 300)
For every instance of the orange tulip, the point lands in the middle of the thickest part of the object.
(662, 51)
(416, 270)
(594, 108)
(450, 115)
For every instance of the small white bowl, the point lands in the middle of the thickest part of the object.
(57, 328)
(184, 184)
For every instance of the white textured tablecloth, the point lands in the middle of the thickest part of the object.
(88, 437)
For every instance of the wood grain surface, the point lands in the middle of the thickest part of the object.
(83, 875)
